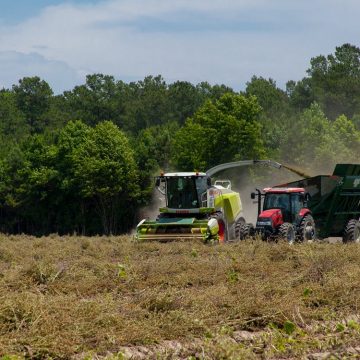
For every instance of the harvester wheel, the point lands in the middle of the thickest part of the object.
(246, 231)
(287, 232)
(352, 231)
(307, 228)
(223, 230)
(238, 225)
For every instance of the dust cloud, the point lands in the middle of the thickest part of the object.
(151, 211)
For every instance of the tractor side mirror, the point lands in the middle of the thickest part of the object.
(160, 188)
(305, 198)
(252, 195)
(208, 181)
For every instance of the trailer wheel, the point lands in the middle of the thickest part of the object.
(246, 231)
(238, 226)
(287, 232)
(352, 231)
(307, 228)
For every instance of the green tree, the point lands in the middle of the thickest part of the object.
(315, 143)
(152, 148)
(33, 183)
(213, 92)
(146, 104)
(33, 98)
(105, 169)
(302, 135)
(12, 121)
(13, 127)
(95, 101)
(341, 143)
(224, 130)
(74, 207)
(275, 113)
(272, 100)
(184, 99)
(333, 82)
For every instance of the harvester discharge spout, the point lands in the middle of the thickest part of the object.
(234, 164)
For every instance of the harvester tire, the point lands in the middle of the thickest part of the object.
(238, 225)
(307, 229)
(287, 232)
(352, 231)
(246, 231)
(223, 229)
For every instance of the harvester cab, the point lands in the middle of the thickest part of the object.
(184, 190)
(284, 214)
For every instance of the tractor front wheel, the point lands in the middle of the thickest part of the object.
(287, 232)
(352, 231)
(307, 228)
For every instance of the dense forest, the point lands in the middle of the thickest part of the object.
(82, 162)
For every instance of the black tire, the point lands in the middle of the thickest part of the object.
(287, 232)
(223, 230)
(246, 231)
(306, 228)
(352, 231)
(238, 225)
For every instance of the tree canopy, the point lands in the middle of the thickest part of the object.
(221, 130)
(83, 161)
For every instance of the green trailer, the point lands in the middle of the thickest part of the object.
(334, 201)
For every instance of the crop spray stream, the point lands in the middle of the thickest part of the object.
(296, 171)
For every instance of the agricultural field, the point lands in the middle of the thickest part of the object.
(108, 297)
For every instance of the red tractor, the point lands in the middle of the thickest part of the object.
(284, 214)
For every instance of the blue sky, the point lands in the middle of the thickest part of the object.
(15, 11)
(220, 41)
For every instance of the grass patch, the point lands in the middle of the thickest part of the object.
(66, 297)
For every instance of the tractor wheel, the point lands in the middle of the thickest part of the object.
(223, 230)
(352, 231)
(246, 231)
(238, 226)
(307, 229)
(287, 232)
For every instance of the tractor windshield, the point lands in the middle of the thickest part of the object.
(277, 201)
(185, 192)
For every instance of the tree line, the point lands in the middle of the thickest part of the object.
(82, 161)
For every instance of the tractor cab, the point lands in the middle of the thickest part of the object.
(289, 200)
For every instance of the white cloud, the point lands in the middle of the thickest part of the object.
(223, 41)
(15, 65)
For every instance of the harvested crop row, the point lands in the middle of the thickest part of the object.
(70, 296)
